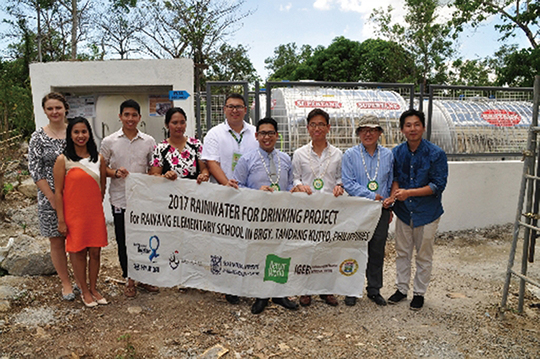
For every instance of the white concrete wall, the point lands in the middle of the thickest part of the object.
(128, 76)
(481, 194)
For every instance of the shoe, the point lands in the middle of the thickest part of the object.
(329, 299)
(76, 289)
(89, 305)
(259, 305)
(148, 287)
(396, 297)
(305, 300)
(417, 302)
(70, 297)
(350, 301)
(285, 303)
(377, 298)
(233, 299)
(101, 301)
(130, 291)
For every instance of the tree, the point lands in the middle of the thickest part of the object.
(191, 28)
(471, 72)
(517, 67)
(424, 36)
(517, 16)
(386, 61)
(343, 61)
(59, 26)
(118, 29)
(286, 59)
(230, 64)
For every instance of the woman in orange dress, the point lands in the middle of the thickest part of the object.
(79, 177)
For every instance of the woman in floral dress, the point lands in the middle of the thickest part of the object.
(178, 155)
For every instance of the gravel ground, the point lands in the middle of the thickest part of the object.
(459, 320)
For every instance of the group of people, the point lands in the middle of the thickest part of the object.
(408, 180)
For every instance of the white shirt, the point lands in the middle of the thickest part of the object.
(220, 145)
(307, 166)
(134, 155)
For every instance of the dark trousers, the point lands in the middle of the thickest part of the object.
(375, 264)
(120, 233)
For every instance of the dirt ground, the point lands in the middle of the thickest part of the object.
(460, 318)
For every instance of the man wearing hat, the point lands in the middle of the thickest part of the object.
(367, 171)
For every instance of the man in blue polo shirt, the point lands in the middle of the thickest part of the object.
(265, 169)
(420, 175)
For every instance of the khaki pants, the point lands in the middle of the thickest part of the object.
(407, 239)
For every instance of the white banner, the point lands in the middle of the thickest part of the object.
(246, 242)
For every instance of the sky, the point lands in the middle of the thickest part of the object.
(318, 22)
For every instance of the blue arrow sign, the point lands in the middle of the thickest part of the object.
(178, 95)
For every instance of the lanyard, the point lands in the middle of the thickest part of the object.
(238, 140)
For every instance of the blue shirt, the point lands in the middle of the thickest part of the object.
(250, 171)
(353, 172)
(427, 166)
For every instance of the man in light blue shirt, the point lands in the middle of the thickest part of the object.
(269, 170)
(367, 171)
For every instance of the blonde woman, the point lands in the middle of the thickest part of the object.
(45, 145)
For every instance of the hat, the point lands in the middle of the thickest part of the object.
(368, 121)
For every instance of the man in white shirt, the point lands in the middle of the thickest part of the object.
(225, 143)
(317, 169)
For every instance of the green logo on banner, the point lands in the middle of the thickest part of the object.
(277, 269)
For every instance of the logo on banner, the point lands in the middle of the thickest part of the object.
(215, 264)
(174, 262)
(276, 269)
(154, 246)
(348, 267)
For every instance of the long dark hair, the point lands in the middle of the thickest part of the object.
(69, 151)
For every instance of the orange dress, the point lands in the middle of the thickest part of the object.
(83, 206)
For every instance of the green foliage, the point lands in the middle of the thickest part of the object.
(287, 58)
(424, 37)
(518, 67)
(230, 64)
(16, 107)
(8, 187)
(517, 16)
(386, 61)
(471, 72)
(129, 349)
(343, 61)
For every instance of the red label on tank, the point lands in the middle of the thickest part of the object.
(317, 104)
(378, 105)
(501, 118)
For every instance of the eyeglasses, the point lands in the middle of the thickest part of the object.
(233, 107)
(369, 130)
(267, 133)
(318, 125)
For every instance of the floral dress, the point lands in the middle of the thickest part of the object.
(185, 163)
(42, 153)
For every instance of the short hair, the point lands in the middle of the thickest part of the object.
(69, 151)
(130, 104)
(172, 111)
(318, 112)
(412, 112)
(267, 121)
(55, 96)
(236, 95)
